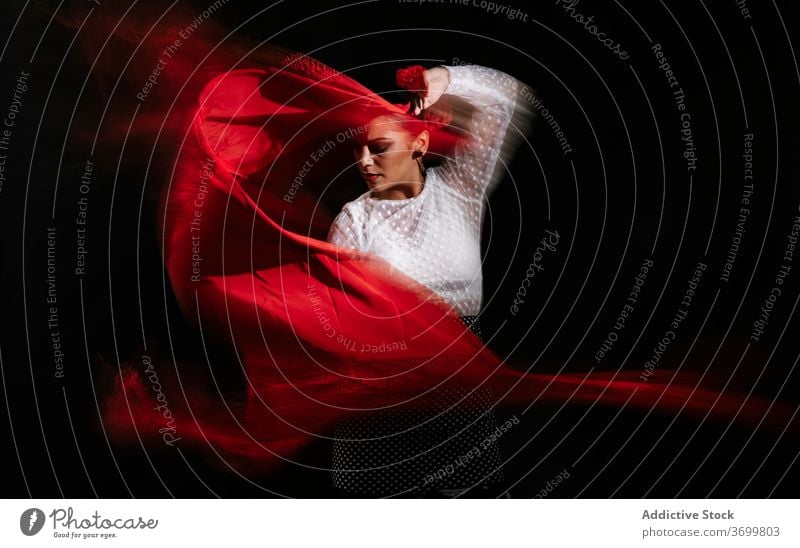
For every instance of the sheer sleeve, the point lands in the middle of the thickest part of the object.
(471, 170)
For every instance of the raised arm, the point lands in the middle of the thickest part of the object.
(473, 169)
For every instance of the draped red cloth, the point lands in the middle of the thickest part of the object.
(319, 331)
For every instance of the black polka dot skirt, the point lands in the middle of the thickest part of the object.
(450, 450)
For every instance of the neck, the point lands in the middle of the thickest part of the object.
(401, 191)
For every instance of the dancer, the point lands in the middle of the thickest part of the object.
(426, 223)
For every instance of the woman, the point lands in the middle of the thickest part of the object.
(427, 223)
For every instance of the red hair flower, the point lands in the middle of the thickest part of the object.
(411, 78)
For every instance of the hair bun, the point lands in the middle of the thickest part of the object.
(411, 78)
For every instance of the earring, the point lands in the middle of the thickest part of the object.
(418, 156)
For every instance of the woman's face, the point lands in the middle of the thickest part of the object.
(385, 156)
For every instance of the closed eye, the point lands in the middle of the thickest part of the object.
(377, 148)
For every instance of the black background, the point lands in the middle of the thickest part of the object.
(624, 194)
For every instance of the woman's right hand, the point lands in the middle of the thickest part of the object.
(437, 79)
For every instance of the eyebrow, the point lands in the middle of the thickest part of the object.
(362, 143)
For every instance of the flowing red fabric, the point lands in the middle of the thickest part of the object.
(319, 331)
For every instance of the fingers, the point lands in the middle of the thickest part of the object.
(422, 101)
(419, 105)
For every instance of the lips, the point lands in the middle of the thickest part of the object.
(370, 176)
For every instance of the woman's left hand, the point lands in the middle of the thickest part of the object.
(436, 81)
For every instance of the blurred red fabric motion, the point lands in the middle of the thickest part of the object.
(318, 331)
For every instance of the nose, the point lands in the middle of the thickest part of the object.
(363, 157)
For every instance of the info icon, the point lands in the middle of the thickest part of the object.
(31, 521)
